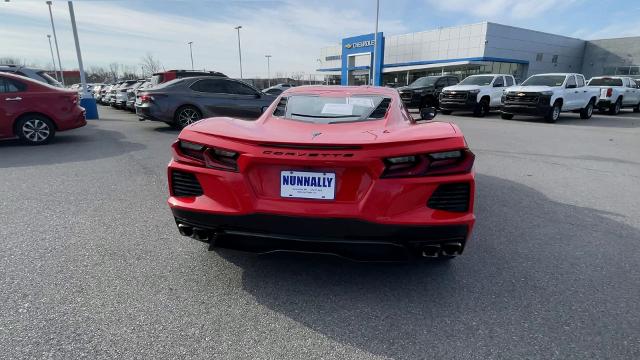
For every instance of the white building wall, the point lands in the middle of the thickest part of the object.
(327, 51)
(440, 44)
(523, 44)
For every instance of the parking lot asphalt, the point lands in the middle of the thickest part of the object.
(93, 266)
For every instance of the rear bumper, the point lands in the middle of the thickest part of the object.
(604, 104)
(351, 238)
(76, 119)
(146, 113)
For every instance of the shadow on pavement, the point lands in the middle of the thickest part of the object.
(538, 279)
(625, 120)
(88, 143)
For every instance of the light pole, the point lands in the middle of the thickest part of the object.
(53, 60)
(375, 46)
(268, 68)
(191, 52)
(55, 40)
(87, 101)
(239, 51)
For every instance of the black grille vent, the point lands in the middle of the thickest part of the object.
(524, 99)
(450, 197)
(458, 95)
(185, 184)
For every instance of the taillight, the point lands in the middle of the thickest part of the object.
(146, 98)
(200, 155)
(609, 92)
(433, 164)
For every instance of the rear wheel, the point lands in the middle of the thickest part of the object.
(587, 111)
(185, 116)
(506, 116)
(481, 109)
(636, 109)
(554, 113)
(35, 130)
(615, 108)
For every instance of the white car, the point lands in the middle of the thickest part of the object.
(616, 92)
(477, 93)
(548, 95)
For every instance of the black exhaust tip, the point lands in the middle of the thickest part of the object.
(431, 251)
(185, 230)
(200, 235)
(452, 249)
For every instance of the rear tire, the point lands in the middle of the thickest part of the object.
(481, 109)
(446, 112)
(636, 109)
(554, 113)
(615, 108)
(506, 116)
(587, 112)
(186, 115)
(35, 130)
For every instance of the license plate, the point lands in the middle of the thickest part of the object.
(308, 185)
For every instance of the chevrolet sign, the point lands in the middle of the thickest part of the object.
(360, 44)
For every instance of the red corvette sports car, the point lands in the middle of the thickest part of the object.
(329, 169)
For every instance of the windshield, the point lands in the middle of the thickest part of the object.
(424, 81)
(605, 82)
(334, 109)
(481, 80)
(545, 80)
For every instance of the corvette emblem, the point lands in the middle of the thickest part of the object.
(521, 94)
(315, 134)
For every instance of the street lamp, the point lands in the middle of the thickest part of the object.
(268, 68)
(53, 60)
(191, 52)
(55, 39)
(239, 51)
(87, 101)
(375, 45)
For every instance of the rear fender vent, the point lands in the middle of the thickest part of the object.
(451, 197)
(185, 184)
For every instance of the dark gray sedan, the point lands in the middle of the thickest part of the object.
(181, 102)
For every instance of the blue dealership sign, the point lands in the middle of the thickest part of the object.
(363, 44)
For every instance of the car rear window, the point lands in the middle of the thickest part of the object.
(333, 109)
(605, 82)
(50, 80)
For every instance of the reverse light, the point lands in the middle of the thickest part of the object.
(433, 164)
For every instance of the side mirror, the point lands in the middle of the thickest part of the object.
(572, 86)
(428, 113)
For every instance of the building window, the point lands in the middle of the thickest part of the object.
(539, 56)
(554, 59)
(332, 57)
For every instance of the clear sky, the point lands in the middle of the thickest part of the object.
(291, 31)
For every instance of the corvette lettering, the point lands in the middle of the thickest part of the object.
(303, 154)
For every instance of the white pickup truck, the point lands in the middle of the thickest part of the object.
(547, 95)
(477, 93)
(616, 92)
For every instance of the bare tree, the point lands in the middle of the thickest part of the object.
(114, 71)
(150, 65)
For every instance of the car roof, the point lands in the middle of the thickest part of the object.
(342, 90)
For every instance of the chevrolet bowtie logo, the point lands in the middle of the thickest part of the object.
(521, 94)
(453, 92)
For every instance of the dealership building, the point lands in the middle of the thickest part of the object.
(474, 49)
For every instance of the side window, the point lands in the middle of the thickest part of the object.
(571, 82)
(580, 80)
(510, 81)
(238, 88)
(210, 86)
(632, 84)
(441, 83)
(9, 86)
(499, 81)
(453, 81)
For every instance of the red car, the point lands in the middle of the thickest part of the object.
(329, 169)
(34, 111)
